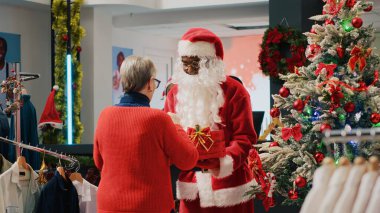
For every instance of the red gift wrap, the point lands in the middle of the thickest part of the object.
(210, 144)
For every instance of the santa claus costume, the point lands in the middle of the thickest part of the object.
(210, 99)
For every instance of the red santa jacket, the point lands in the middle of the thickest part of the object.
(235, 178)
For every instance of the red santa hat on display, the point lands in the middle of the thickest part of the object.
(50, 114)
(200, 42)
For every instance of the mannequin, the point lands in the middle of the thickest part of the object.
(335, 186)
(367, 184)
(347, 198)
(320, 185)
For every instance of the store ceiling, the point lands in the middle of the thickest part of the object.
(171, 18)
(219, 19)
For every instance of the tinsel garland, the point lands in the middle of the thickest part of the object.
(59, 9)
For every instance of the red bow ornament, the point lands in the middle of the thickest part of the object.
(295, 131)
(333, 7)
(358, 56)
(336, 96)
(328, 67)
(312, 50)
(201, 137)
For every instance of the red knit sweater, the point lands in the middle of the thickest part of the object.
(133, 148)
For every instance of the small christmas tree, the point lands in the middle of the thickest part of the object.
(339, 89)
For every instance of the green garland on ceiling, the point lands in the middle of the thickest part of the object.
(59, 10)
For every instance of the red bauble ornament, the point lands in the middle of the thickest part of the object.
(319, 156)
(375, 118)
(298, 105)
(313, 31)
(329, 21)
(65, 37)
(284, 92)
(325, 127)
(300, 182)
(369, 8)
(357, 22)
(340, 51)
(293, 194)
(350, 3)
(275, 112)
(274, 143)
(349, 107)
(79, 49)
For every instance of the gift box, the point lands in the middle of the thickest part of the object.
(210, 144)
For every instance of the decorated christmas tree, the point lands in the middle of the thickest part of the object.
(339, 89)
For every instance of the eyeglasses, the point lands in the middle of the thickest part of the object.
(157, 82)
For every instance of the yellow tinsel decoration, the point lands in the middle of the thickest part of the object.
(59, 10)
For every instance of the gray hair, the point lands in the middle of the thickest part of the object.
(135, 72)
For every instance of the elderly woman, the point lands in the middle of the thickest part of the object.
(135, 145)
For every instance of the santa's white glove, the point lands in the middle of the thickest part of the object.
(174, 117)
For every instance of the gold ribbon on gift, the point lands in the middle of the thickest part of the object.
(201, 136)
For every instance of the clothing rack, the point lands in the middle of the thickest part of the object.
(74, 163)
(344, 136)
(28, 76)
(16, 82)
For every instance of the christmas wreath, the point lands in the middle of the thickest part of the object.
(282, 49)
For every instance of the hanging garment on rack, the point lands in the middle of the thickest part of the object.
(4, 165)
(58, 196)
(87, 196)
(4, 132)
(16, 194)
(320, 186)
(367, 183)
(374, 202)
(351, 187)
(29, 134)
(335, 188)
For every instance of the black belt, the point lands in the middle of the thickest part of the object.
(197, 169)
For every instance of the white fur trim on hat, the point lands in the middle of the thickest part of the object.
(56, 87)
(199, 48)
(53, 124)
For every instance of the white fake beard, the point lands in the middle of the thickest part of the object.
(200, 97)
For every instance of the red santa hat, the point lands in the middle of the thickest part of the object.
(200, 42)
(50, 114)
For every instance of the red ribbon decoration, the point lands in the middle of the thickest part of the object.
(336, 96)
(329, 69)
(268, 201)
(254, 163)
(201, 137)
(358, 56)
(295, 131)
(333, 7)
(362, 86)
